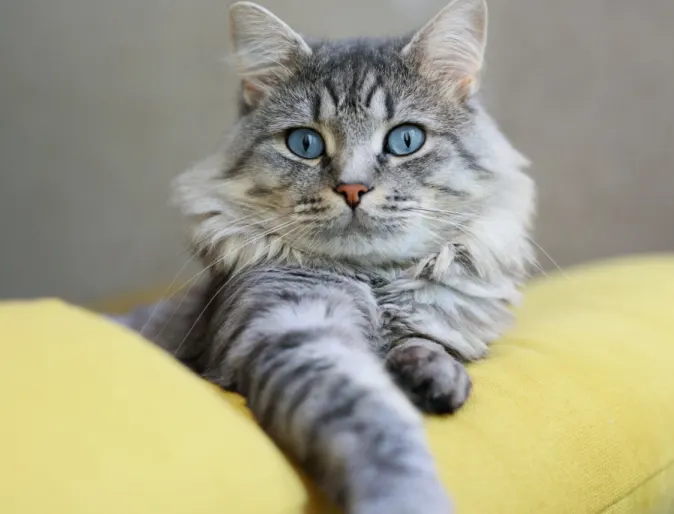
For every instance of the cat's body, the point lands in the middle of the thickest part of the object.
(364, 229)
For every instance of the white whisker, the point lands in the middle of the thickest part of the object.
(169, 289)
(449, 222)
(194, 278)
(166, 293)
(215, 295)
(546, 254)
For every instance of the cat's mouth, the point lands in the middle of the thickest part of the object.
(354, 220)
(361, 222)
(358, 219)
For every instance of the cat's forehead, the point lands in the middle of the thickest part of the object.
(356, 86)
(349, 60)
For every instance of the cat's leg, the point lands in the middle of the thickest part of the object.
(301, 356)
(434, 380)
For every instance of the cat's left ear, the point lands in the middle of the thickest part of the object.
(449, 49)
(267, 50)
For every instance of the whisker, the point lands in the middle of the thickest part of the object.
(194, 278)
(215, 295)
(540, 268)
(312, 242)
(223, 257)
(467, 233)
(544, 252)
(169, 289)
(463, 216)
(166, 293)
(452, 223)
(440, 211)
(435, 235)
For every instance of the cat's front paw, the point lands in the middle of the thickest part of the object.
(408, 498)
(435, 381)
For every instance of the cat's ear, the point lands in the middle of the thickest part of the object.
(266, 49)
(449, 49)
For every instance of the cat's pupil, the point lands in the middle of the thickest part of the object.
(407, 139)
(306, 142)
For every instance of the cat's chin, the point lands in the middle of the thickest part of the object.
(358, 243)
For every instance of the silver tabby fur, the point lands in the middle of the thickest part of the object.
(330, 320)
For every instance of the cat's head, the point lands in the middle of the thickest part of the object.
(372, 151)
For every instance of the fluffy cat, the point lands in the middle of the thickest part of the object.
(364, 231)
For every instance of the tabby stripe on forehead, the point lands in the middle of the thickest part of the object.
(373, 89)
(390, 105)
(316, 107)
(358, 82)
(331, 91)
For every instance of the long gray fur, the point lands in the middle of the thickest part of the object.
(330, 319)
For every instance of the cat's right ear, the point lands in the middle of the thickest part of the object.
(267, 50)
(450, 48)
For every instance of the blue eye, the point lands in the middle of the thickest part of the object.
(305, 143)
(405, 140)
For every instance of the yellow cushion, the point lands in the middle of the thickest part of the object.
(573, 413)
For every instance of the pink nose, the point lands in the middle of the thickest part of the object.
(352, 193)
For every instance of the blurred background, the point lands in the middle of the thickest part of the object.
(102, 103)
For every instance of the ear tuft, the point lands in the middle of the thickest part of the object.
(450, 48)
(267, 50)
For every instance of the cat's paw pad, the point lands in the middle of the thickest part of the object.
(434, 380)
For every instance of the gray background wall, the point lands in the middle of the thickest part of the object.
(103, 102)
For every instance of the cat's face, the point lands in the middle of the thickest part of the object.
(370, 150)
(361, 153)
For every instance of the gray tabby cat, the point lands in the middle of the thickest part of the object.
(364, 229)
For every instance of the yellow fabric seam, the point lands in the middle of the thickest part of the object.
(669, 466)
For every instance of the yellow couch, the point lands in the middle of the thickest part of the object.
(573, 413)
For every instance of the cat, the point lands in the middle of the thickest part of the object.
(364, 231)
